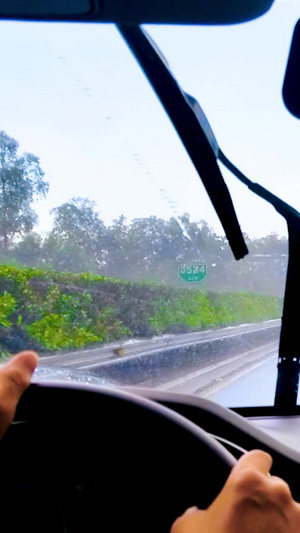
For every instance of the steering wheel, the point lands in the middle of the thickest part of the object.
(82, 458)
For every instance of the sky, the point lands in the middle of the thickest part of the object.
(74, 96)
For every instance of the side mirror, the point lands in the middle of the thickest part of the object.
(291, 84)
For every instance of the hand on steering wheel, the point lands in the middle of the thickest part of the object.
(105, 458)
(251, 500)
(15, 377)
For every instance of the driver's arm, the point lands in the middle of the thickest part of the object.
(251, 501)
(15, 376)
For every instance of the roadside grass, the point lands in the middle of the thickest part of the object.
(50, 311)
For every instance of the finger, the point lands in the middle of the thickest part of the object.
(15, 377)
(16, 373)
(255, 460)
(192, 510)
(191, 520)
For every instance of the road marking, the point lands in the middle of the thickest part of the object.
(71, 363)
(217, 387)
(211, 368)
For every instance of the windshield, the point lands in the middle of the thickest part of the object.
(114, 265)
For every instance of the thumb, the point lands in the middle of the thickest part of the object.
(15, 376)
(192, 521)
(254, 460)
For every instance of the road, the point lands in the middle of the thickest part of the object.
(255, 388)
(92, 358)
(246, 377)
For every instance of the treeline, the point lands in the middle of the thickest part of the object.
(145, 249)
(149, 249)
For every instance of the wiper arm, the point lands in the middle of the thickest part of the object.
(289, 346)
(180, 108)
(281, 207)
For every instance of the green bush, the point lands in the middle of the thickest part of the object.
(7, 306)
(4, 354)
(198, 310)
(64, 310)
(55, 332)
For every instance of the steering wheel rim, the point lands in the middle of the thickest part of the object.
(136, 436)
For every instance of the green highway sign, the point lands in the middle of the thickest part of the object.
(193, 272)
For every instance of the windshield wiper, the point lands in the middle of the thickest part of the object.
(178, 106)
(289, 349)
(202, 146)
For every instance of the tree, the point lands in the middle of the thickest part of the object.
(75, 242)
(21, 182)
(152, 248)
(28, 251)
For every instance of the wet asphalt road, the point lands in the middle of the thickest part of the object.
(254, 388)
(245, 378)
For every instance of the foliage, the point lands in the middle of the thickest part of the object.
(248, 307)
(4, 354)
(7, 306)
(73, 320)
(144, 249)
(28, 250)
(75, 242)
(56, 331)
(21, 181)
(84, 282)
(211, 310)
(150, 249)
(58, 310)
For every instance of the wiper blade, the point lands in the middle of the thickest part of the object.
(188, 119)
